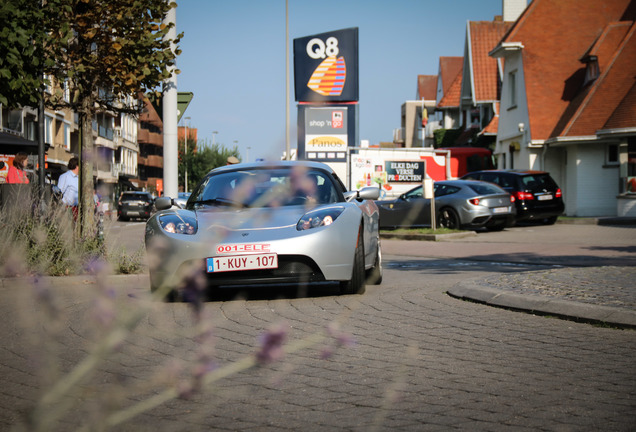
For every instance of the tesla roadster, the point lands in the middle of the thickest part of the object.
(266, 223)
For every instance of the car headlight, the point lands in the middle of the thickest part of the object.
(318, 218)
(178, 224)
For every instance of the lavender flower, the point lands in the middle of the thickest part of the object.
(271, 345)
(339, 338)
(194, 285)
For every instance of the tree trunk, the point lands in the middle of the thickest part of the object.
(86, 214)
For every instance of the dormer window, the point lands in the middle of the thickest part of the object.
(592, 71)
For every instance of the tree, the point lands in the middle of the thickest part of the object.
(21, 56)
(102, 51)
(202, 160)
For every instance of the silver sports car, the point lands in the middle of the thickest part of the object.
(458, 204)
(262, 223)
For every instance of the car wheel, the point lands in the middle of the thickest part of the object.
(448, 218)
(355, 285)
(550, 221)
(374, 275)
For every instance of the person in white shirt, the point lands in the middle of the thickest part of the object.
(68, 183)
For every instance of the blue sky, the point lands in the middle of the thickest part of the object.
(233, 60)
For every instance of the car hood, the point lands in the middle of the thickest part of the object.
(249, 218)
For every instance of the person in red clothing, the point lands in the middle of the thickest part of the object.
(16, 173)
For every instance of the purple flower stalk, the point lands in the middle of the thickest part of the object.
(271, 345)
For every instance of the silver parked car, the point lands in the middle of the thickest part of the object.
(259, 223)
(458, 204)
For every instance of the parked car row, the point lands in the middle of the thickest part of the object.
(491, 199)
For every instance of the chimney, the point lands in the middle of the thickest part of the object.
(512, 9)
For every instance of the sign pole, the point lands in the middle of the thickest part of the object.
(429, 193)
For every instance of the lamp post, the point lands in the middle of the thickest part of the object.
(213, 140)
(247, 156)
(185, 156)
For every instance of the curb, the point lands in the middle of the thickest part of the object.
(140, 279)
(608, 220)
(428, 237)
(472, 290)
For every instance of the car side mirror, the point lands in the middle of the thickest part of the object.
(366, 193)
(369, 193)
(163, 203)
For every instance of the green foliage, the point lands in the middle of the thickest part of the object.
(124, 263)
(446, 137)
(43, 240)
(20, 59)
(202, 158)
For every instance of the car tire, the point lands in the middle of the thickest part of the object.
(550, 221)
(374, 275)
(355, 285)
(498, 227)
(448, 218)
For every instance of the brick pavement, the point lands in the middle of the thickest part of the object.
(594, 278)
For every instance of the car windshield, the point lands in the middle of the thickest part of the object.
(538, 182)
(136, 197)
(265, 187)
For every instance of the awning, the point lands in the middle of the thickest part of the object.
(11, 144)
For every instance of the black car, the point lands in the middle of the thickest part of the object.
(135, 205)
(537, 196)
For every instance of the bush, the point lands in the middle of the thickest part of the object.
(42, 238)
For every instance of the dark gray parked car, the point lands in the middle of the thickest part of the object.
(537, 196)
(135, 205)
(458, 204)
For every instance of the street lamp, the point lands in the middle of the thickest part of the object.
(185, 158)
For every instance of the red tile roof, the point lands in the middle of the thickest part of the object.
(610, 89)
(427, 87)
(556, 35)
(491, 128)
(483, 37)
(452, 96)
(449, 67)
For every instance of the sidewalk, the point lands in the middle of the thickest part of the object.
(593, 279)
(604, 294)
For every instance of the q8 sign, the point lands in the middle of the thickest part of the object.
(326, 67)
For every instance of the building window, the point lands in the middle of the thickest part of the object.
(631, 166)
(67, 92)
(611, 155)
(512, 89)
(67, 136)
(592, 70)
(48, 130)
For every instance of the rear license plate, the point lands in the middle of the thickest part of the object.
(242, 262)
(501, 210)
(544, 197)
(133, 213)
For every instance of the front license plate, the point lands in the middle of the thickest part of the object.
(242, 262)
(544, 197)
(501, 210)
